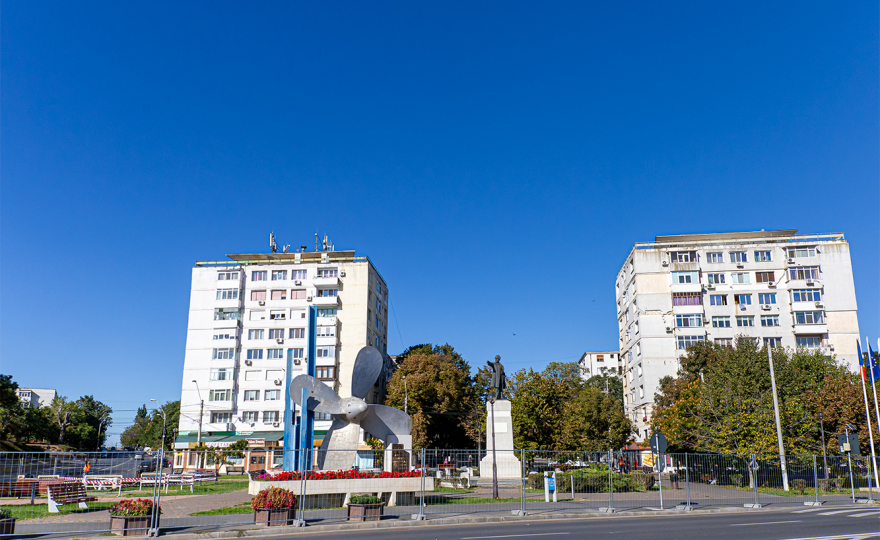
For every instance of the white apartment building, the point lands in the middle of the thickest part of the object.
(247, 318)
(36, 397)
(784, 289)
(592, 362)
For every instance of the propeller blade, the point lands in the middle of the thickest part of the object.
(321, 397)
(367, 367)
(381, 421)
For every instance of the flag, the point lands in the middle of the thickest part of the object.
(872, 364)
(862, 369)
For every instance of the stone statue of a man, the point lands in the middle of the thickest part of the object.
(499, 381)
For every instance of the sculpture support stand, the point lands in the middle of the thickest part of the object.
(494, 460)
(499, 447)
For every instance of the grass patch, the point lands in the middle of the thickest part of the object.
(34, 511)
(453, 490)
(243, 508)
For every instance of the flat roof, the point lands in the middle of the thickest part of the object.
(680, 238)
(303, 255)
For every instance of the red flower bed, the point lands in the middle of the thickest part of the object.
(335, 475)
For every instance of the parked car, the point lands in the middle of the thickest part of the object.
(147, 465)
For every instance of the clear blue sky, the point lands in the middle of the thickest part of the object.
(496, 160)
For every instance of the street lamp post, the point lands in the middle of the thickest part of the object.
(778, 424)
(201, 415)
(822, 428)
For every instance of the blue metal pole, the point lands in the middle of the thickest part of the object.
(289, 461)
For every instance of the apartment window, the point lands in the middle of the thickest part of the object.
(718, 300)
(227, 276)
(716, 257)
(272, 395)
(326, 331)
(323, 293)
(258, 315)
(773, 342)
(255, 354)
(769, 320)
(227, 294)
(683, 321)
(277, 315)
(721, 322)
(326, 312)
(255, 334)
(297, 314)
(222, 333)
(254, 375)
(297, 294)
(221, 374)
(739, 277)
(379, 289)
(683, 256)
(279, 275)
(764, 277)
(259, 276)
(686, 299)
(293, 354)
(683, 342)
(685, 277)
(258, 295)
(227, 314)
(745, 321)
(223, 354)
(325, 372)
(724, 342)
(270, 417)
(802, 252)
(326, 351)
(279, 294)
(297, 274)
(716, 278)
(258, 460)
(249, 417)
(221, 417)
(744, 299)
(809, 317)
(251, 395)
(327, 272)
(739, 256)
(274, 354)
(809, 342)
(804, 272)
(378, 305)
(275, 333)
(219, 395)
(806, 295)
(762, 256)
(297, 333)
(767, 298)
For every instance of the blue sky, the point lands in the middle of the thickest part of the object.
(496, 161)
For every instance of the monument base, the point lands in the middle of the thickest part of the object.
(508, 465)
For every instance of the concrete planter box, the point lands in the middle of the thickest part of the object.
(365, 512)
(7, 527)
(319, 493)
(130, 525)
(274, 518)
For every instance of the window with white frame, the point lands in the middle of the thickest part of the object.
(325, 293)
(297, 333)
(255, 334)
(739, 256)
(742, 299)
(297, 294)
(715, 257)
(295, 353)
(682, 299)
(769, 320)
(795, 253)
(718, 300)
(275, 354)
(223, 354)
(745, 321)
(275, 333)
(739, 277)
(685, 277)
(724, 342)
(270, 417)
(763, 256)
(253, 375)
(223, 374)
(279, 275)
(721, 322)
(225, 333)
(259, 275)
(683, 342)
(806, 295)
(227, 314)
(249, 417)
(258, 295)
(258, 315)
(255, 354)
(297, 274)
(804, 272)
(809, 342)
(809, 317)
(767, 298)
(219, 395)
(271, 395)
(227, 276)
(251, 395)
(227, 294)
(326, 351)
(715, 278)
(326, 331)
(221, 417)
(773, 342)
(328, 272)
(683, 256)
(277, 315)
(326, 312)
(279, 294)
(684, 321)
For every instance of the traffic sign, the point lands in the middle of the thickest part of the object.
(658, 443)
(551, 484)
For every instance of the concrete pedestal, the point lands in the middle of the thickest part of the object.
(505, 458)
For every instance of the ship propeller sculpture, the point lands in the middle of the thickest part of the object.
(338, 451)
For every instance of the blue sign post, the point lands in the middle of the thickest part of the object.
(299, 431)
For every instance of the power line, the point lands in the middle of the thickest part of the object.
(397, 323)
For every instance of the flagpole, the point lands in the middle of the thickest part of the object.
(862, 376)
(876, 409)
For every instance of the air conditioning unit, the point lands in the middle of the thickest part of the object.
(297, 282)
(810, 283)
(297, 361)
(771, 285)
(818, 304)
(279, 340)
(665, 263)
(308, 298)
(262, 302)
(342, 273)
(740, 265)
(791, 261)
(277, 382)
(248, 362)
(742, 307)
(669, 329)
(710, 286)
(765, 307)
(276, 424)
(831, 347)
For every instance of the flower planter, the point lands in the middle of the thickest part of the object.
(131, 525)
(275, 517)
(365, 512)
(7, 526)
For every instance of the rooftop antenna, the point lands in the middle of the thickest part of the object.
(272, 245)
(324, 244)
(316, 240)
(302, 248)
(286, 249)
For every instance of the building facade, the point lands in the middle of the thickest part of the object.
(247, 318)
(36, 397)
(783, 289)
(592, 363)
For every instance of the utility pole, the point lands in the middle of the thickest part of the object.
(778, 424)
(201, 415)
(822, 428)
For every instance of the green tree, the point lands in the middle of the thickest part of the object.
(594, 420)
(89, 420)
(608, 381)
(12, 414)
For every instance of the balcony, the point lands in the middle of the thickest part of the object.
(326, 301)
(322, 282)
(805, 329)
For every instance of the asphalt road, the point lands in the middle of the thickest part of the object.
(829, 523)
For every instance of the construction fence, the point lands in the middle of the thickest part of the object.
(52, 493)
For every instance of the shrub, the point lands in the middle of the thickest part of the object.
(799, 485)
(643, 480)
(273, 498)
(133, 507)
(5, 513)
(364, 499)
(736, 479)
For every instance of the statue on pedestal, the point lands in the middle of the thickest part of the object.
(499, 380)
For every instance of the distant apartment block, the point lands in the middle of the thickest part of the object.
(783, 289)
(248, 318)
(36, 397)
(592, 363)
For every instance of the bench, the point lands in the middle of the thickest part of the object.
(104, 481)
(66, 494)
(232, 469)
(201, 475)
